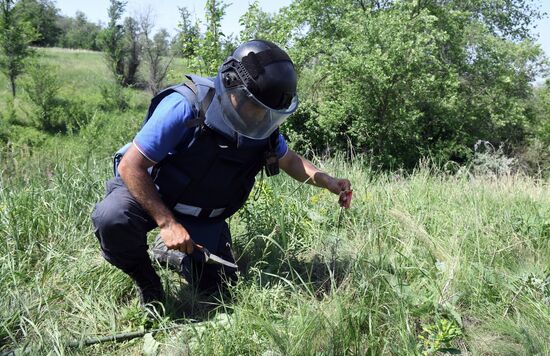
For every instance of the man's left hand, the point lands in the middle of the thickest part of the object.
(303, 170)
(340, 187)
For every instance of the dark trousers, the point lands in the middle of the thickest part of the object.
(121, 226)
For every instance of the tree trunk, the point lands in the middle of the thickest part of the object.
(12, 84)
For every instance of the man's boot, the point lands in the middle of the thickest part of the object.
(148, 283)
(206, 277)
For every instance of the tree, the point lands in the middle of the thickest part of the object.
(155, 51)
(15, 37)
(112, 40)
(406, 79)
(213, 49)
(132, 50)
(509, 19)
(42, 15)
(78, 32)
(188, 38)
(121, 44)
(257, 23)
(541, 122)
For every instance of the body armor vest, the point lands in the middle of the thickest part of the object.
(210, 175)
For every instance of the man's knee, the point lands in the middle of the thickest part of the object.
(121, 226)
(118, 212)
(109, 218)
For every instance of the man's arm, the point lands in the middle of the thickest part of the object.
(303, 170)
(133, 171)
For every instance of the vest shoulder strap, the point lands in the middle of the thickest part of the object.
(204, 104)
(201, 81)
(182, 89)
(192, 93)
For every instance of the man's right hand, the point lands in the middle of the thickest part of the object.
(176, 237)
(133, 171)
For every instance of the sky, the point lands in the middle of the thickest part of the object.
(167, 15)
(166, 11)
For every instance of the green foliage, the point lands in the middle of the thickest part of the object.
(111, 40)
(437, 337)
(50, 112)
(113, 97)
(26, 137)
(511, 19)
(4, 127)
(8, 114)
(42, 15)
(379, 79)
(122, 44)
(204, 52)
(402, 80)
(42, 88)
(389, 286)
(258, 24)
(189, 35)
(457, 258)
(255, 23)
(541, 105)
(495, 87)
(15, 37)
(214, 46)
(78, 32)
(133, 49)
(154, 51)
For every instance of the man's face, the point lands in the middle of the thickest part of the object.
(251, 113)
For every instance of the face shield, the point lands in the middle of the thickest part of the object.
(242, 111)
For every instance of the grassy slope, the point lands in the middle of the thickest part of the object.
(415, 256)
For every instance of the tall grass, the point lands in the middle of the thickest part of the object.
(416, 256)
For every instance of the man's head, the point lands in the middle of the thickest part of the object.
(256, 87)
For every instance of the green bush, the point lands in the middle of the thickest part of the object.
(403, 80)
(9, 114)
(51, 112)
(541, 106)
(42, 86)
(534, 158)
(26, 137)
(114, 97)
(4, 131)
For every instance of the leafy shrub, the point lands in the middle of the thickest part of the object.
(50, 112)
(8, 114)
(74, 114)
(405, 80)
(437, 337)
(114, 97)
(535, 158)
(540, 126)
(490, 161)
(21, 136)
(4, 131)
(42, 86)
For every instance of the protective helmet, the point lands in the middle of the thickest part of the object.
(256, 88)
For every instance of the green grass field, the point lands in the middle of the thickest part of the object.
(422, 263)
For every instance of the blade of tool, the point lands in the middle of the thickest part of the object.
(212, 258)
(215, 259)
